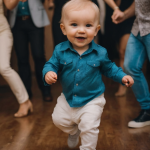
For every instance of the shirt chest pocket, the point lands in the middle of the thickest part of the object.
(92, 66)
(66, 64)
(93, 63)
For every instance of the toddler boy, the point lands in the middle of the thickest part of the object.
(81, 63)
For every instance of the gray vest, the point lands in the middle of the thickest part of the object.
(37, 11)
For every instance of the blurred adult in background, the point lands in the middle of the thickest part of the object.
(121, 33)
(58, 36)
(13, 79)
(51, 4)
(137, 51)
(27, 21)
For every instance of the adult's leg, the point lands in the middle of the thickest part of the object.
(36, 38)
(11, 76)
(135, 57)
(57, 33)
(146, 41)
(122, 46)
(21, 46)
(136, 54)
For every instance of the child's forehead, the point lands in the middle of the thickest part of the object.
(76, 6)
(79, 7)
(79, 12)
(84, 15)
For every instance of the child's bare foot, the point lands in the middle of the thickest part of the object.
(24, 109)
(121, 91)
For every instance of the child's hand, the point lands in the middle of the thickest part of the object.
(128, 80)
(50, 77)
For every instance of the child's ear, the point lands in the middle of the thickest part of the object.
(63, 28)
(97, 29)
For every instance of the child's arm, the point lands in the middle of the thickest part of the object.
(51, 68)
(50, 77)
(128, 80)
(109, 69)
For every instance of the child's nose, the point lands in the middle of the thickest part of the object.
(81, 30)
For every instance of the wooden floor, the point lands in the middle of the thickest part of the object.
(37, 131)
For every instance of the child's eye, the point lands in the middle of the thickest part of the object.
(74, 24)
(88, 25)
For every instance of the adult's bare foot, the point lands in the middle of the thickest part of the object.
(121, 91)
(24, 109)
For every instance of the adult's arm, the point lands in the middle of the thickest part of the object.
(128, 13)
(119, 16)
(11, 4)
(112, 4)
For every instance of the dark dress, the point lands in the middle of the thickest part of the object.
(114, 32)
(124, 27)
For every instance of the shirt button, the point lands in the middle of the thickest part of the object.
(65, 63)
(78, 70)
(75, 95)
(80, 57)
(77, 84)
(94, 64)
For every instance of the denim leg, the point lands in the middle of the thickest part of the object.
(146, 41)
(135, 57)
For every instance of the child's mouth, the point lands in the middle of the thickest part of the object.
(80, 38)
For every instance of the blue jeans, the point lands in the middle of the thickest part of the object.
(137, 51)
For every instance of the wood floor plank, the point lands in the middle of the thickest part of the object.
(37, 131)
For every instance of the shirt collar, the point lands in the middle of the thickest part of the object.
(67, 45)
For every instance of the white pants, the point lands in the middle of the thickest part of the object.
(13, 79)
(85, 118)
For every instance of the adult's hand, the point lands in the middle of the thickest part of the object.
(118, 16)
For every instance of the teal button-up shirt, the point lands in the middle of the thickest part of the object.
(81, 75)
(23, 9)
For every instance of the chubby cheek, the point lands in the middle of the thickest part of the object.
(71, 32)
(91, 34)
(71, 35)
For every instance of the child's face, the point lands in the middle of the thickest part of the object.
(80, 27)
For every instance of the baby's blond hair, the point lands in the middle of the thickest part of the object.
(79, 5)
